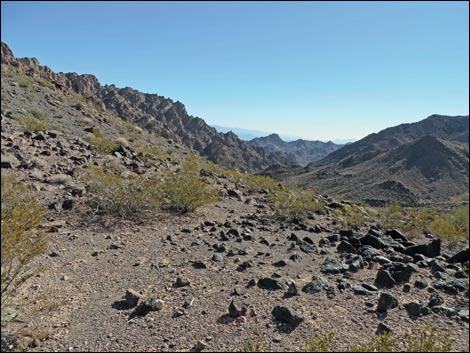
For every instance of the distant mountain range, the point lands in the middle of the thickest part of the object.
(247, 135)
(417, 163)
(299, 152)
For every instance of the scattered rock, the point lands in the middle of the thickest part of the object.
(270, 284)
(421, 284)
(132, 297)
(435, 299)
(333, 266)
(386, 301)
(295, 258)
(430, 249)
(181, 282)
(154, 304)
(237, 308)
(345, 246)
(382, 329)
(384, 279)
(460, 257)
(291, 288)
(280, 263)
(413, 308)
(360, 290)
(287, 315)
(317, 285)
(217, 258)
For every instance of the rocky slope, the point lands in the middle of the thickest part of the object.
(420, 163)
(210, 280)
(155, 113)
(299, 152)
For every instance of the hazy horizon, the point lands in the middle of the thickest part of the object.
(316, 70)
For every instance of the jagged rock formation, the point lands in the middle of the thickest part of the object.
(300, 152)
(418, 163)
(156, 113)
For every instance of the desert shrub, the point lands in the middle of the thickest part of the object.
(392, 216)
(100, 143)
(25, 81)
(97, 107)
(112, 194)
(148, 154)
(45, 83)
(351, 216)
(289, 204)
(5, 97)
(186, 190)
(37, 114)
(452, 226)
(122, 141)
(376, 343)
(34, 120)
(251, 182)
(133, 128)
(255, 183)
(85, 122)
(21, 240)
(257, 343)
(428, 339)
(60, 179)
(321, 343)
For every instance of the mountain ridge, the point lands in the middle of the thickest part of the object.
(155, 113)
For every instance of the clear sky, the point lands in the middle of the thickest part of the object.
(322, 70)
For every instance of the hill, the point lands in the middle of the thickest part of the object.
(419, 163)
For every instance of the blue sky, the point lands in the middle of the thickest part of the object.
(322, 70)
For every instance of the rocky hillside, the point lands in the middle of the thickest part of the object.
(419, 163)
(154, 113)
(299, 152)
(230, 276)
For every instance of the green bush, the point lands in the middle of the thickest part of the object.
(351, 216)
(148, 154)
(289, 204)
(452, 226)
(321, 343)
(112, 194)
(255, 183)
(100, 143)
(186, 190)
(21, 241)
(428, 339)
(45, 83)
(376, 343)
(257, 343)
(25, 81)
(34, 120)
